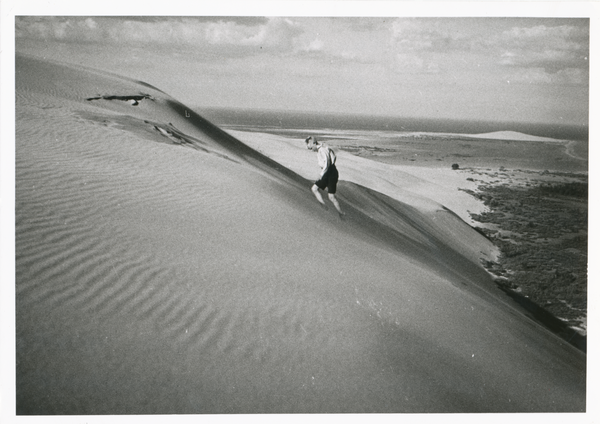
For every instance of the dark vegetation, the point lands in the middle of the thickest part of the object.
(541, 231)
(577, 190)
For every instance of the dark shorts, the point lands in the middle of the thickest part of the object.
(329, 180)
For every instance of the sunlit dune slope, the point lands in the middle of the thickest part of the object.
(162, 266)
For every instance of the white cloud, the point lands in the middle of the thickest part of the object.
(529, 76)
(228, 33)
(572, 76)
(408, 63)
(508, 58)
(539, 53)
(569, 76)
(563, 36)
(414, 35)
(550, 47)
(90, 24)
(315, 45)
(275, 34)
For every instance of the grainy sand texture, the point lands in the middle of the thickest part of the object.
(163, 266)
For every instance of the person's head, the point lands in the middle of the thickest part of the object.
(311, 142)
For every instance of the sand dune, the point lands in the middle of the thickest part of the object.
(163, 266)
(512, 135)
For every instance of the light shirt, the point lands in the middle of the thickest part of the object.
(325, 157)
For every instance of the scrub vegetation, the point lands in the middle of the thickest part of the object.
(541, 229)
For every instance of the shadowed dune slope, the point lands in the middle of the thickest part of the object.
(162, 266)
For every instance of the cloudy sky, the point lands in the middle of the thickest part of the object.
(484, 68)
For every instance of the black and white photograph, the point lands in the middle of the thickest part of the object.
(244, 209)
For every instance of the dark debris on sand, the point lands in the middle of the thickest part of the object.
(133, 99)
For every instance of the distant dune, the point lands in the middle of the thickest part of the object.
(163, 266)
(512, 135)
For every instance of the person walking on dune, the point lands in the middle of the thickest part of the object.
(329, 173)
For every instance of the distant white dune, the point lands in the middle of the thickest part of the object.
(512, 135)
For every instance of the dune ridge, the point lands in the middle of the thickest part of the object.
(163, 266)
(513, 135)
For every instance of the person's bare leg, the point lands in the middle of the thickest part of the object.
(336, 203)
(317, 194)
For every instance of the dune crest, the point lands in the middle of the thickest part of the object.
(163, 266)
